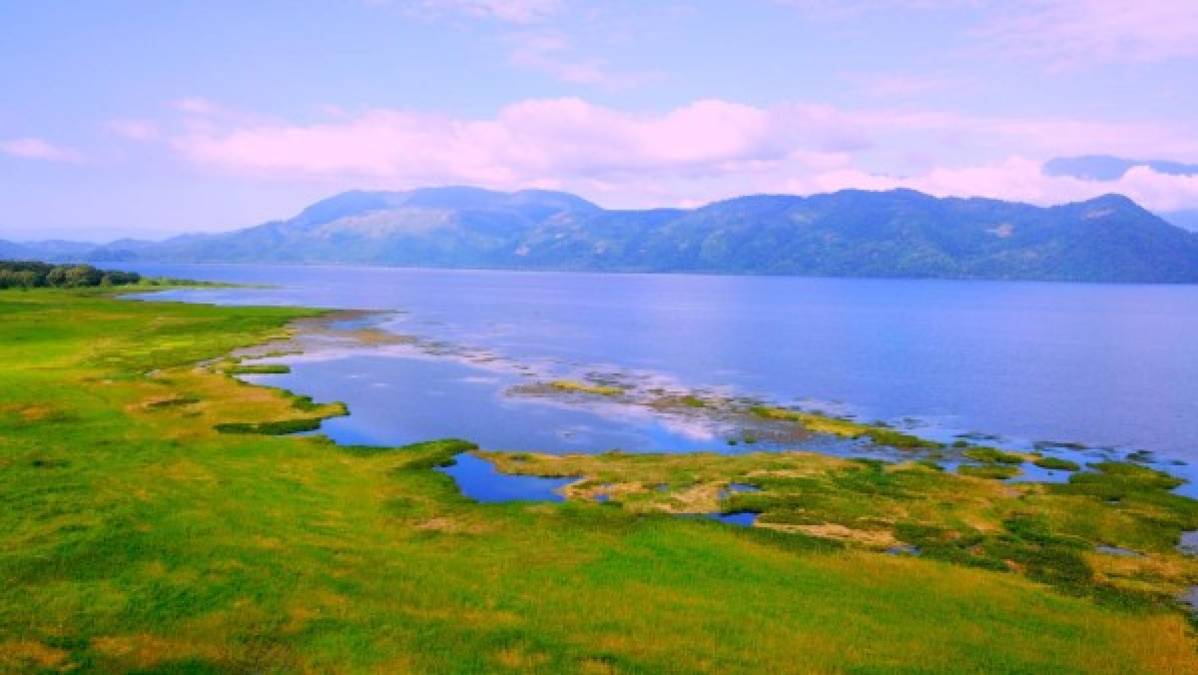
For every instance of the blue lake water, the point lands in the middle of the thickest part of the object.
(396, 399)
(1105, 365)
(741, 518)
(479, 480)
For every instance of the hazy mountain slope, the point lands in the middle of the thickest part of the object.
(13, 251)
(900, 233)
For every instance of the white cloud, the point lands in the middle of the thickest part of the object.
(549, 53)
(511, 11)
(134, 129)
(706, 149)
(1163, 192)
(1062, 33)
(898, 85)
(196, 105)
(1070, 33)
(37, 148)
(1038, 136)
(852, 9)
(533, 140)
(1016, 179)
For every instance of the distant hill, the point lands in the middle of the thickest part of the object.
(13, 251)
(1108, 168)
(899, 233)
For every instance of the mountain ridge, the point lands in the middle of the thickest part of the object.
(895, 233)
(1106, 168)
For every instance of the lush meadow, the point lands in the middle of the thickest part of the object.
(149, 525)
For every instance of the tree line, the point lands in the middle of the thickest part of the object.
(30, 274)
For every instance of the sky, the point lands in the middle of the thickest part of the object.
(149, 119)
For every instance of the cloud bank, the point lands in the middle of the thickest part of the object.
(707, 149)
(1061, 33)
(37, 148)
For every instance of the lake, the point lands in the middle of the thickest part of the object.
(1105, 365)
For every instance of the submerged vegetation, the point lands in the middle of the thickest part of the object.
(135, 536)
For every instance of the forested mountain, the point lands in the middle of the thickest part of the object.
(899, 233)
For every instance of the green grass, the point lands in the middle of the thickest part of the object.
(273, 428)
(1056, 463)
(995, 471)
(260, 369)
(136, 537)
(993, 456)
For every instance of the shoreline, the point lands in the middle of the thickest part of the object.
(767, 425)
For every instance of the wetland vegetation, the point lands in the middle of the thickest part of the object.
(1046, 532)
(136, 536)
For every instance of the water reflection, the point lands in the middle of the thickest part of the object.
(479, 480)
(1103, 364)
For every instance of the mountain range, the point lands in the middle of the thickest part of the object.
(897, 233)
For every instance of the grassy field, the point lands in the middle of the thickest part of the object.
(136, 536)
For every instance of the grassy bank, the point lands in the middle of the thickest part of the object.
(136, 535)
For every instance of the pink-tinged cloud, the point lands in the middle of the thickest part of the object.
(535, 140)
(704, 150)
(134, 129)
(196, 105)
(512, 11)
(37, 148)
(1062, 33)
(1039, 136)
(549, 52)
(1016, 179)
(1079, 32)
(897, 85)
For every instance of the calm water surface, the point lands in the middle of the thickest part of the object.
(1106, 365)
(479, 480)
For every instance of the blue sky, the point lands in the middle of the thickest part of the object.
(151, 118)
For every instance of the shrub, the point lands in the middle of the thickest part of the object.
(32, 274)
